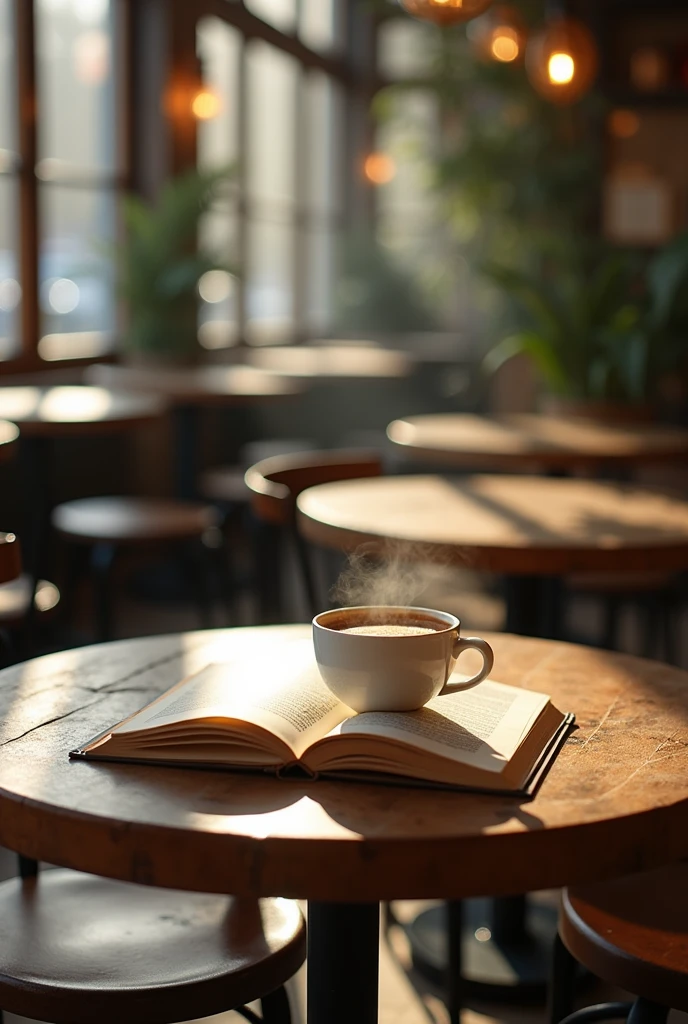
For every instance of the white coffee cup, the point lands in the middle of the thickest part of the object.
(392, 672)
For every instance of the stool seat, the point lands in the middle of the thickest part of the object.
(132, 520)
(15, 599)
(633, 932)
(77, 949)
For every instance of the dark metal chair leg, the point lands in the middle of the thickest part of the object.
(275, 1007)
(644, 1011)
(610, 631)
(197, 561)
(102, 558)
(454, 979)
(306, 572)
(268, 552)
(562, 987)
(28, 867)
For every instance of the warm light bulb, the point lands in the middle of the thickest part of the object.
(561, 68)
(445, 12)
(561, 60)
(505, 45)
(379, 168)
(206, 104)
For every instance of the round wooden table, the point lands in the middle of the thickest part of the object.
(532, 442)
(614, 801)
(45, 414)
(525, 528)
(9, 434)
(67, 411)
(336, 361)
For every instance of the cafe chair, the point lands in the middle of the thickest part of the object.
(105, 526)
(631, 932)
(274, 484)
(16, 625)
(75, 949)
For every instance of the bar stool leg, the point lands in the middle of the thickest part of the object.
(644, 1011)
(562, 983)
(275, 1007)
(102, 558)
(454, 980)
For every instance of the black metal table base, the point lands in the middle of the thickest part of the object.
(343, 963)
(499, 964)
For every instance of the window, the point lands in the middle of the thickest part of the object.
(281, 121)
(59, 176)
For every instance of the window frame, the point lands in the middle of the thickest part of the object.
(26, 359)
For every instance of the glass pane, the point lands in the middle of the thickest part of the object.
(219, 48)
(76, 281)
(405, 48)
(8, 72)
(325, 108)
(219, 325)
(280, 13)
(321, 24)
(320, 280)
(409, 136)
(270, 283)
(76, 83)
(10, 289)
(272, 92)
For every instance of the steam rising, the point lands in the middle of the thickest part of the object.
(398, 575)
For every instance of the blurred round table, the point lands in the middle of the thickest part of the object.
(535, 443)
(614, 801)
(336, 361)
(188, 390)
(45, 414)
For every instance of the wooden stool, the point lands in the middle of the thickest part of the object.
(75, 949)
(275, 484)
(631, 932)
(107, 524)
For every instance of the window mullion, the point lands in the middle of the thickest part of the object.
(28, 185)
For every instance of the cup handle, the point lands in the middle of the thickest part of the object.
(465, 643)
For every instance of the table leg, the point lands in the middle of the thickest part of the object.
(185, 451)
(343, 963)
(533, 606)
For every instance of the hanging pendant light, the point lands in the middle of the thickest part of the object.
(499, 35)
(445, 12)
(561, 60)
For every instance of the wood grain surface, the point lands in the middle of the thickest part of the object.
(526, 441)
(505, 524)
(9, 434)
(61, 411)
(203, 385)
(614, 801)
(632, 932)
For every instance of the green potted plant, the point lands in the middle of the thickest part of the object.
(598, 341)
(159, 265)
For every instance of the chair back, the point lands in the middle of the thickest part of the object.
(276, 482)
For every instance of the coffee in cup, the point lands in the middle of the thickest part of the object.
(392, 658)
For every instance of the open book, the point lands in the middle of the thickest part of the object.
(285, 721)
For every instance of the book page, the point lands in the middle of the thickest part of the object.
(483, 726)
(287, 698)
